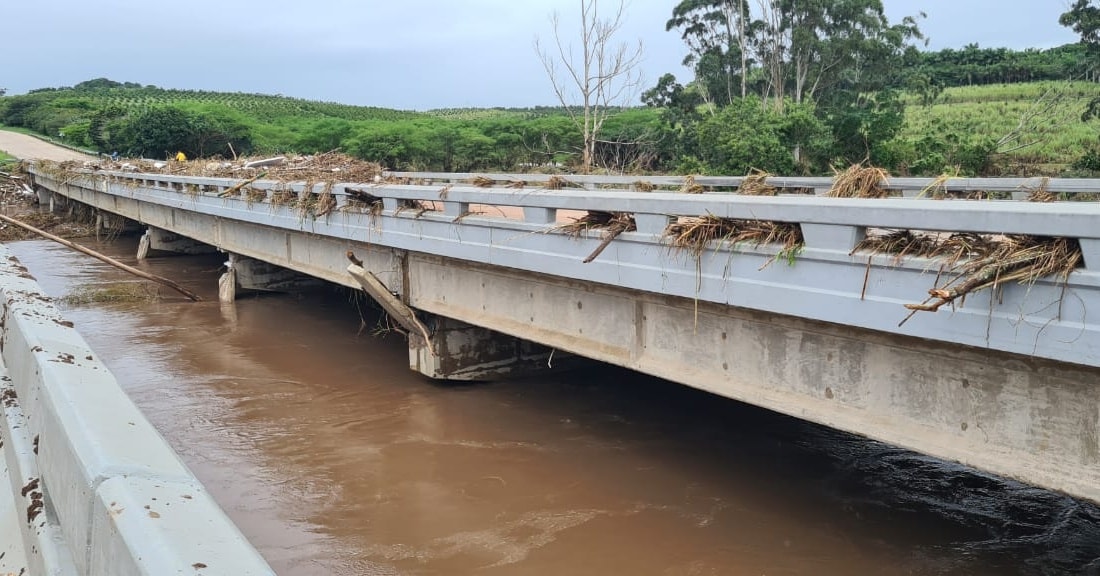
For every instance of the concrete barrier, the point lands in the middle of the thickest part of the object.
(95, 489)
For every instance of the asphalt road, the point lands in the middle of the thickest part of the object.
(30, 148)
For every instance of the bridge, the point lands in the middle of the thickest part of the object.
(489, 278)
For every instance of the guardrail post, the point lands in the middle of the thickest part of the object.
(1090, 249)
(540, 215)
(651, 223)
(833, 237)
(455, 209)
(390, 205)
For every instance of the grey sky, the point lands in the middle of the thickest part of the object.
(409, 54)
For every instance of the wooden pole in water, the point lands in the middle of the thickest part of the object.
(139, 273)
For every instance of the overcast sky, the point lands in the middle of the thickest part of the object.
(408, 54)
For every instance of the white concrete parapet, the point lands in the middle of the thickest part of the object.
(96, 490)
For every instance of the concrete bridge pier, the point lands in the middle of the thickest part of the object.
(55, 201)
(109, 223)
(253, 275)
(165, 241)
(45, 196)
(464, 352)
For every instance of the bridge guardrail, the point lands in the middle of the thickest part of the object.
(101, 490)
(825, 279)
(827, 223)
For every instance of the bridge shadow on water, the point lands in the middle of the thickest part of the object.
(944, 517)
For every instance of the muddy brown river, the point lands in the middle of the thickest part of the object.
(333, 458)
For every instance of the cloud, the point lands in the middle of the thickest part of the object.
(411, 54)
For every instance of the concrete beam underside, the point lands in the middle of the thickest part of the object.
(1036, 421)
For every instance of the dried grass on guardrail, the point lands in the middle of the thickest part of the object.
(611, 223)
(859, 181)
(974, 262)
(695, 234)
(756, 184)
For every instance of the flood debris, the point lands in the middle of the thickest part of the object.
(104, 258)
(859, 181)
(695, 234)
(612, 224)
(1020, 259)
(329, 166)
(113, 293)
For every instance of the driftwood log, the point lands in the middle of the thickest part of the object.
(139, 273)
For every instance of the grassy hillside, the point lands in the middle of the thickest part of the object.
(258, 106)
(1030, 128)
(1046, 114)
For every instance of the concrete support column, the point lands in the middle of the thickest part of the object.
(265, 277)
(243, 273)
(165, 241)
(143, 246)
(227, 283)
(44, 195)
(463, 352)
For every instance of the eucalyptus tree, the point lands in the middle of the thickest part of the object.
(792, 49)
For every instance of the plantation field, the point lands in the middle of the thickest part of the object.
(1046, 115)
(1026, 129)
(261, 106)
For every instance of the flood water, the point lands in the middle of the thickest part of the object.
(333, 458)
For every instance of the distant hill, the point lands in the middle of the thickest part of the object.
(1025, 128)
(93, 95)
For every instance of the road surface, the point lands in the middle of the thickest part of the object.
(31, 148)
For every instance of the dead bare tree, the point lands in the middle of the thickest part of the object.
(1047, 116)
(605, 77)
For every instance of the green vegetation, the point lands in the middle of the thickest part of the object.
(849, 87)
(114, 293)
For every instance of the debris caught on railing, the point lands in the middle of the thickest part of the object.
(611, 223)
(859, 181)
(331, 166)
(756, 184)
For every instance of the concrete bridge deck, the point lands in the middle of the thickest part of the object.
(1005, 381)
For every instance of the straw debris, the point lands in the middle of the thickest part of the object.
(1021, 259)
(114, 293)
(557, 183)
(611, 223)
(756, 184)
(690, 186)
(859, 181)
(695, 234)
